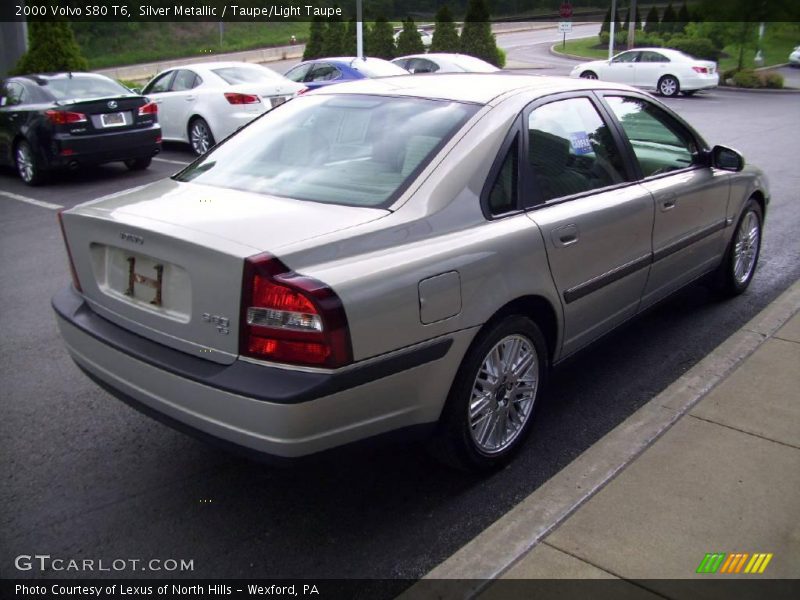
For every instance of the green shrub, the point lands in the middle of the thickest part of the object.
(697, 47)
(409, 41)
(772, 80)
(445, 36)
(52, 47)
(477, 38)
(746, 78)
(501, 58)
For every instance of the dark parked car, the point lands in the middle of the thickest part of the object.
(66, 120)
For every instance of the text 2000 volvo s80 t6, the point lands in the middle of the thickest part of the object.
(409, 254)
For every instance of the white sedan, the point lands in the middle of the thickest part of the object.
(206, 102)
(425, 36)
(669, 72)
(442, 62)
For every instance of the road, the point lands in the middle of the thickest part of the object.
(84, 476)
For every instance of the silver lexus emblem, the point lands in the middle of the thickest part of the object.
(112, 104)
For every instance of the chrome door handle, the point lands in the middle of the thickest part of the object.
(190, 98)
(565, 236)
(668, 202)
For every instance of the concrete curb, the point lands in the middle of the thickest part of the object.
(511, 537)
(552, 50)
(738, 90)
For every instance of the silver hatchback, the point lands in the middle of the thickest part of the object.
(411, 254)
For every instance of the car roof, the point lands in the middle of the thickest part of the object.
(479, 88)
(35, 77)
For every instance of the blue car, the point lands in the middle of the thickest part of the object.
(326, 71)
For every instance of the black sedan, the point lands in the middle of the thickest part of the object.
(67, 120)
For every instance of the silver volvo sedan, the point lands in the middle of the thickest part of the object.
(409, 254)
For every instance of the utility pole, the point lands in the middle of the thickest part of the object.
(611, 28)
(631, 24)
(359, 31)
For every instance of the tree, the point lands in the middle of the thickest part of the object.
(445, 36)
(683, 19)
(409, 41)
(606, 26)
(335, 42)
(668, 20)
(652, 23)
(316, 38)
(52, 47)
(351, 43)
(477, 38)
(381, 39)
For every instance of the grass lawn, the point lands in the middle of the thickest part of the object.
(584, 47)
(117, 44)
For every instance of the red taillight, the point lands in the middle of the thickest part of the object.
(75, 281)
(700, 69)
(290, 318)
(237, 98)
(151, 108)
(64, 117)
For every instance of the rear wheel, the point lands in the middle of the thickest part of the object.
(736, 271)
(200, 136)
(29, 168)
(138, 164)
(588, 75)
(668, 86)
(489, 409)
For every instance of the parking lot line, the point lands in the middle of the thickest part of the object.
(172, 162)
(33, 201)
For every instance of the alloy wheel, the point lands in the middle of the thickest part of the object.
(503, 394)
(200, 137)
(745, 247)
(25, 166)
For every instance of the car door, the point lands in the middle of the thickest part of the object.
(690, 197)
(622, 68)
(158, 90)
(595, 220)
(649, 68)
(12, 118)
(178, 104)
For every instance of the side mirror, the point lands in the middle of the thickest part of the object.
(726, 158)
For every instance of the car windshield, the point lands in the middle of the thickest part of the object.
(81, 86)
(234, 75)
(377, 68)
(342, 149)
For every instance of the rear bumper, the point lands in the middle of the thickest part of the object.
(106, 147)
(701, 82)
(270, 410)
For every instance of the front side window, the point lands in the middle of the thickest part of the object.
(340, 149)
(661, 144)
(160, 84)
(324, 72)
(571, 149)
(626, 57)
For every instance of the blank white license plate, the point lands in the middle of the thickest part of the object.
(277, 100)
(112, 119)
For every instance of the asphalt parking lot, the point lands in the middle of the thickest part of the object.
(84, 476)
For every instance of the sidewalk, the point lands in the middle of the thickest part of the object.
(711, 465)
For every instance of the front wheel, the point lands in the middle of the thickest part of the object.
(588, 75)
(200, 136)
(668, 86)
(489, 410)
(739, 264)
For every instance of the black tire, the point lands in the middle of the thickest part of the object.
(138, 164)
(200, 137)
(588, 75)
(28, 165)
(738, 266)
(464, 440)
(669, 86)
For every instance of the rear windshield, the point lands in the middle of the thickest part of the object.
(377, 68)
(234, 75)
(82, 87)
(339, 149)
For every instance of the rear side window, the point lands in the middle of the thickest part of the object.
(184, 80)
(160, 84)
(15, 94)
(661, 144)
(324, 72)
(340, 149)
(571, 149)
(503, 195)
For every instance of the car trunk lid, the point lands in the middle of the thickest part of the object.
(166, 260)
